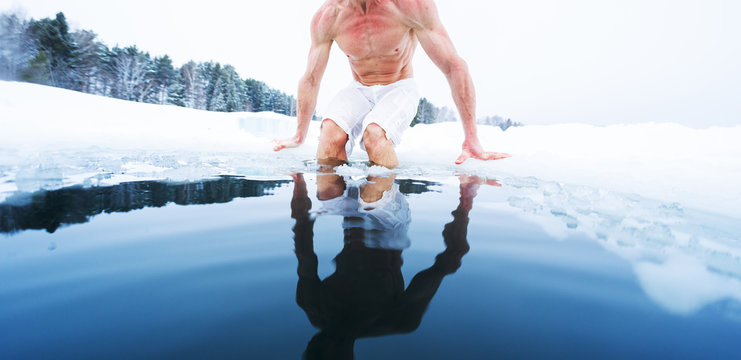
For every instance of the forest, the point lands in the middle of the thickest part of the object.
(48, 52)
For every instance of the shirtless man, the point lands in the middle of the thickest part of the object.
(379, 38)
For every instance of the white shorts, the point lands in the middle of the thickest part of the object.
(385, 222)
(392, 107)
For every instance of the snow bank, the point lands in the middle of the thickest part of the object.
(52, 137)
(662, 196)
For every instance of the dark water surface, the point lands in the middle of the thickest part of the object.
(449, 268)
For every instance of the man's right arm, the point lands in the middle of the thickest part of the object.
(308, 86)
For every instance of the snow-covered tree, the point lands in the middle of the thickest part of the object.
(47, 52)
(133, 73)
(87, 62)
(232, 88)
(52, 37)
(426, 113)
(193, 90)
(498, 121)
(16, 46)
(164, 75)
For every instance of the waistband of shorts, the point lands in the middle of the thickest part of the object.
(409, 81)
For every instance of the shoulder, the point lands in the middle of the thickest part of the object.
(324, 20)
(421, 14)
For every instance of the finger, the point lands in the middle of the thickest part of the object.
(464, 156)
(279, 147)
(493, 156)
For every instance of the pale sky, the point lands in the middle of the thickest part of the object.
(535, 61)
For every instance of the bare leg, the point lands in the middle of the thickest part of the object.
(329, 185)
(380, 149)
(373, 190)
(332, 140)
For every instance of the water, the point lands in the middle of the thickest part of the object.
(381, 267)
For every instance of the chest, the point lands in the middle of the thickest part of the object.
(374, 34)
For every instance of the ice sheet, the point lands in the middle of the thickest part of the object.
(662, 196)
(51, 138)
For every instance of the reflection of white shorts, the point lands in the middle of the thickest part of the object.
(385, 222)
(392, 107)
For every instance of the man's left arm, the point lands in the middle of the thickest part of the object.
(437, 44)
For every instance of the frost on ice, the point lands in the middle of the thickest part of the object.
(662, 196)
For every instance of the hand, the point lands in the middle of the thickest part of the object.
(297, 177)
(473, 149)
(468, 180)
(289, 143)
(470, 185)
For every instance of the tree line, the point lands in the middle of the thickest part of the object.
(427, 113)
(47, 52)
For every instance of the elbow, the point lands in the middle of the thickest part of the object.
(455, 66)
(308, 81)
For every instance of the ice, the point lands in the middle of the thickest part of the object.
(684, 259)
(661, 196)
(51, 138)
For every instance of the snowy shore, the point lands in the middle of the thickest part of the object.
(661, 196)
(53, 137)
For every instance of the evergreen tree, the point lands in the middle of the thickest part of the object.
(218, 102)
(37, 70)
(107, 74)
(256, 95)
(164, 75)
(53, 38)
(46, 52)
(232, 89)
(87, 61)
(176, 92)
(498, 121)
(211, 73)
(426, 113)
(446, 114)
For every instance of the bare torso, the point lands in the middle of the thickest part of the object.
(379, 38)
(375, 36)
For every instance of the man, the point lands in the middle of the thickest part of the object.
(365, 296)
(379, 38)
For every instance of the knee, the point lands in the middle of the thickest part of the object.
(332, 134)
(374, 137)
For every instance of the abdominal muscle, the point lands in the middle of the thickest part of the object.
(394, 65)
(371, 72)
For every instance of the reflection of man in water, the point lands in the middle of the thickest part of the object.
(365, 297)
(380, 38)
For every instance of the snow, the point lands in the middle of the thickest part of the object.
(51, 137)
(662, 196)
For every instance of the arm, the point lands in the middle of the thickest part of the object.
(308, 86)
(438, 46)
(408, 315)
(308, 288)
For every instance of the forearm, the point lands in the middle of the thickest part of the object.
(455, 233)
(464, 95)
(303, 231)
(308, 92)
